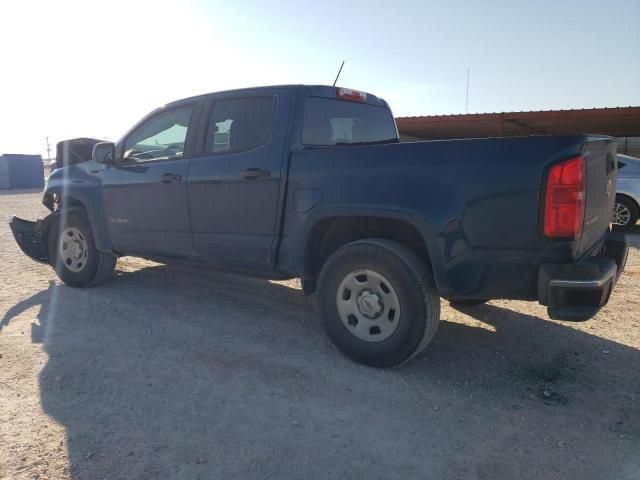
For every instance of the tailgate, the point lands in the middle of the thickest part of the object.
(601, 166)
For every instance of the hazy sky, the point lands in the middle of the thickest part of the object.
(85, 68)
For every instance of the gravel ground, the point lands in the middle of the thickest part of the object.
(176, 372)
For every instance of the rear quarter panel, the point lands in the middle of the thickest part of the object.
(476, 203)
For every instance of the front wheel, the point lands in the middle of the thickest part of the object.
(73, 254)
(379, 302)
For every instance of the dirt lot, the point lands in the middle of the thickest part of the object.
(172, 372)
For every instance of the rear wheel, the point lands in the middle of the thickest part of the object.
(73, 254)
(625, 213)
(379, 302)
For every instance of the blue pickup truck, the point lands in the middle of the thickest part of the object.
(312, 182)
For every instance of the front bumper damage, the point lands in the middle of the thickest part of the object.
(31, 237)
(577, 291)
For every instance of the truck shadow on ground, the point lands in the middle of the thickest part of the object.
(175, 372)
(634, 236)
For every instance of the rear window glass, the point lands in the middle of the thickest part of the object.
(339, 122)
(240, 124)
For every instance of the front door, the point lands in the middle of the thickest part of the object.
(234, 186)
(145, 194)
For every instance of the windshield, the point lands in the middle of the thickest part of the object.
(628, 165)
(338, 122)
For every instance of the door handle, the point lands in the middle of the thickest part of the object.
(170, 178)
(254, 173)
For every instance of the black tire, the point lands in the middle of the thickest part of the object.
(467, 302)
(97, 266)
(413, 288)
(631, 208)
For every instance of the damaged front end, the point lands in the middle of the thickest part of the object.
(32, 237)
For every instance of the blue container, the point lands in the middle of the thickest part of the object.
(21, 171)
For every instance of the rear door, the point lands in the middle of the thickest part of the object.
(234, 185)
(601, 166)
(145, 194)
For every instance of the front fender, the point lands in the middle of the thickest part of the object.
(76, 187)
(33, 236)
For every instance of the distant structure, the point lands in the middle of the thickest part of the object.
(21, 171)
(621, 122)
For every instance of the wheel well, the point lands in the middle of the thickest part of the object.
(631, 199)
(56, 202)
(332, 233)
(57, 209)
(70, 202)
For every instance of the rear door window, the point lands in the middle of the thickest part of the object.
(240, 124)
(338, 122)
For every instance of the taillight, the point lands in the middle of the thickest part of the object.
(564, 200)
(353, 95)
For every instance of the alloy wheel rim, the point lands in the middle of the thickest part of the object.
(368, 305)
(621, 214)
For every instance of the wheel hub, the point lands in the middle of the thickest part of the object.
(73, 249)
(76, 249)
(370, 304)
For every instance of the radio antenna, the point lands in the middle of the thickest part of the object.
(338, 76)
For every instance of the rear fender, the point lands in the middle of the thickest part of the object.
(411, 217)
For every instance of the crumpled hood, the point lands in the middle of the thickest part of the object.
(76, 150)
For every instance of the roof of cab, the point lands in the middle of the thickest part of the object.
(310, 90)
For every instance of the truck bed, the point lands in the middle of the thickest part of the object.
(477, 202)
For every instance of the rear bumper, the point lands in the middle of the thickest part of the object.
(31, 237)
(577, 291)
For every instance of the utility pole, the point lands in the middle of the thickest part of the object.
(48, 151)
(466, 106)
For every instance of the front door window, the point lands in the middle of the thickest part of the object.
(161, 137)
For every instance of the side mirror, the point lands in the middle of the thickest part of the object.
(104, 152)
